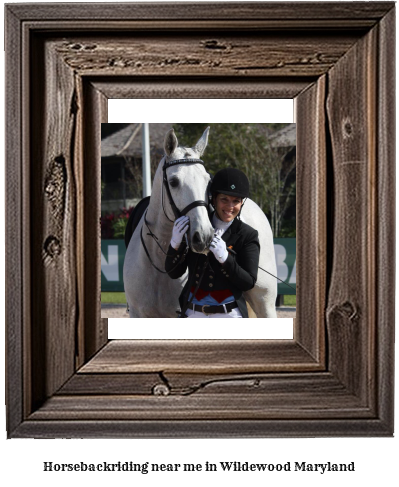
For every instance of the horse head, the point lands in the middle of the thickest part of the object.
(188, 183)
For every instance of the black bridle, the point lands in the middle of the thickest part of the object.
(178, 213)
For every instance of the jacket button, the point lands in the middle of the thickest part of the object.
(210, 284)
(196, 282)
(227, 275)
(196, 275)
(210, 277)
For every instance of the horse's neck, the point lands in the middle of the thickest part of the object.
(158, 222)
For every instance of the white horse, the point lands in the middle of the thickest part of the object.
(150, 292)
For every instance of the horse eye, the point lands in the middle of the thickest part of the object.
(174, 182)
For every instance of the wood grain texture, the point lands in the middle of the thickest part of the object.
(185, 384)
(277, 396)
(200, 356)
(79, 243)
(385, 245)
(116, 428)
(94, 328)
(144, 87)
(111, 384)
(278, 11)
(351, 306)
(53, 213)
(240, 55)
(311, 219)
(203, 407)
(14, 238)
(360, 25)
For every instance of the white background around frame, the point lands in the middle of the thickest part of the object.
(376, 459)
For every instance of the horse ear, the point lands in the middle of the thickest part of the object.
(170, 142)
(200, 146)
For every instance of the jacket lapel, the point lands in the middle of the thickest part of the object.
(230, 231)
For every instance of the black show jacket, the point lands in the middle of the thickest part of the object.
(238, 273)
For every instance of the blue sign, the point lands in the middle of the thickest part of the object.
(285, 251)
(113, 255)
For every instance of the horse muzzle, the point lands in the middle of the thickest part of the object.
(200, 241)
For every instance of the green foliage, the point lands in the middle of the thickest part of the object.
(248, 148)
(119, 227)
(113, 225)
(288, 229)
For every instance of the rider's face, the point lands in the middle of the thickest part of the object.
(227, 207)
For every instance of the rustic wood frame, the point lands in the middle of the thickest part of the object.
(336, 376)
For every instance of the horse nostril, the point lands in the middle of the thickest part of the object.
(196, 238)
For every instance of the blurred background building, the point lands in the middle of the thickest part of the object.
(265, 152)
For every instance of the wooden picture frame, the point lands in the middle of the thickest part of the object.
(63, 62)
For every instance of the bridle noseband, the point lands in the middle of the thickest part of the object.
(178, 213)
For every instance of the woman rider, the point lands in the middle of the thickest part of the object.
(216, 282)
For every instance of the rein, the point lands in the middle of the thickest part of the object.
(151, 234)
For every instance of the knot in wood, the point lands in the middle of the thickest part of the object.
(117, 62)
(90, 47)
(346, 310)
(349, 310)
(52, 246)
(51, 249)
(213, 44)
(161, 390)
(54, 189)
(50, 188)
(347, 128)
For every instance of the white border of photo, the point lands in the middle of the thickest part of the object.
(200, 329)
(200, 111)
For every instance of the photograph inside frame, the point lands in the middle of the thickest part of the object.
(198, 220)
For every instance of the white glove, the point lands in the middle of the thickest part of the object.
(219, 250)
(179, 229)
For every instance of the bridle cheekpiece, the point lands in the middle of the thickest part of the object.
(178, 213)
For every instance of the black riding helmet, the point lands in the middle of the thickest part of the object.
(230, 181)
